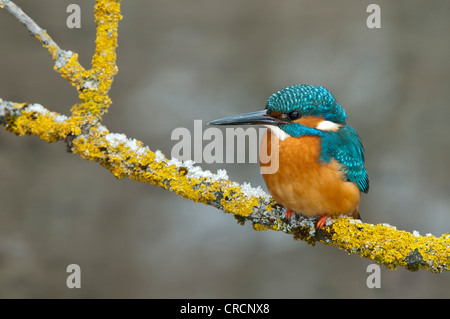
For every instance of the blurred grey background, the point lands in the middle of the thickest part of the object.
(181, 60)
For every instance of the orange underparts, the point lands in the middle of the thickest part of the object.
(303, 182)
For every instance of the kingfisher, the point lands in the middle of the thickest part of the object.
(321, 170)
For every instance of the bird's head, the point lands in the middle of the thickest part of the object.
(286, 108)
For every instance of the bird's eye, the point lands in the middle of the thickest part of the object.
(294, 115)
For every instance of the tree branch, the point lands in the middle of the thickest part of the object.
(63, 59)
(126, 157)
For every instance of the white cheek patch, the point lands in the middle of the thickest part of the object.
(328, 126)
(279, 133)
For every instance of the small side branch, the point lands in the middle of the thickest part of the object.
(66, 62)
(32, 27)
(92, 85)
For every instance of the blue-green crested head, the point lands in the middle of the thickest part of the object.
(308, 100)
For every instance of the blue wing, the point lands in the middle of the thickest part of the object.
(346, 148)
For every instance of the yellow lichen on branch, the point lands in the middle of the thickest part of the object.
(130, 158)
(107, 16)
(124, 157)
(33, 119)
(70, 69)
(391, 247)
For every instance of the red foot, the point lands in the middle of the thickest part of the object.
(322, 221)
(288, 214)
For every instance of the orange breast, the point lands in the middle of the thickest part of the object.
(305, 185)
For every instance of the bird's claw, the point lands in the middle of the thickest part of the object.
(288, 215)
(322, 221)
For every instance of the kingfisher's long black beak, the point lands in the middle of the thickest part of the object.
(252, 118)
